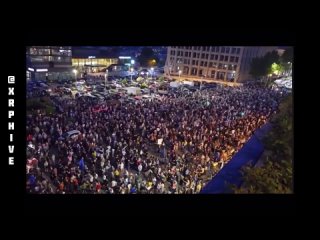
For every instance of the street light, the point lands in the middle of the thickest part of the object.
(152, 73)
(131, 70)
(75, 73)
(105, 81)
(180, 74)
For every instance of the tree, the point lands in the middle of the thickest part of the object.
(161, 79)
(287, 59)
(276, 68)
(147, 57)
(275, 175)
(258, 68)
(272, 57)
(271, 178)
(263, 67)
(287, 56)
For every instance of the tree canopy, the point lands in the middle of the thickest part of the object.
(287, 56)
(148, 58)
(275, 174)
(262, 66)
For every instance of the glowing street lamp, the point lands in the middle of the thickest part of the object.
(75, 73)
(105, 81)
(131, 70)
(180, 74)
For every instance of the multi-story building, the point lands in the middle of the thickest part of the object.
(226, 63)
(49, 63)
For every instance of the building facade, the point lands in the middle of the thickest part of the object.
(92, 64)
(49, 63)
(226, 63)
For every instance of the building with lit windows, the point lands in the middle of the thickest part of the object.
(224, 63)
(92, 59)
(49, 63)
(93, 64)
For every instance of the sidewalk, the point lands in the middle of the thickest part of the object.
(199, 79)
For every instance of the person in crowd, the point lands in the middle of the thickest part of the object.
(118, 148)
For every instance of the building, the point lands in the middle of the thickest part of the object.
(92, 60)
(226, 63)
(49, 63)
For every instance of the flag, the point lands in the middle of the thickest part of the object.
(133, 190)
(81, 164)
(32, 180)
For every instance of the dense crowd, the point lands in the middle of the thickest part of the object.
(118, 151)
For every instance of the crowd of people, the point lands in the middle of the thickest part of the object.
(171, 144)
